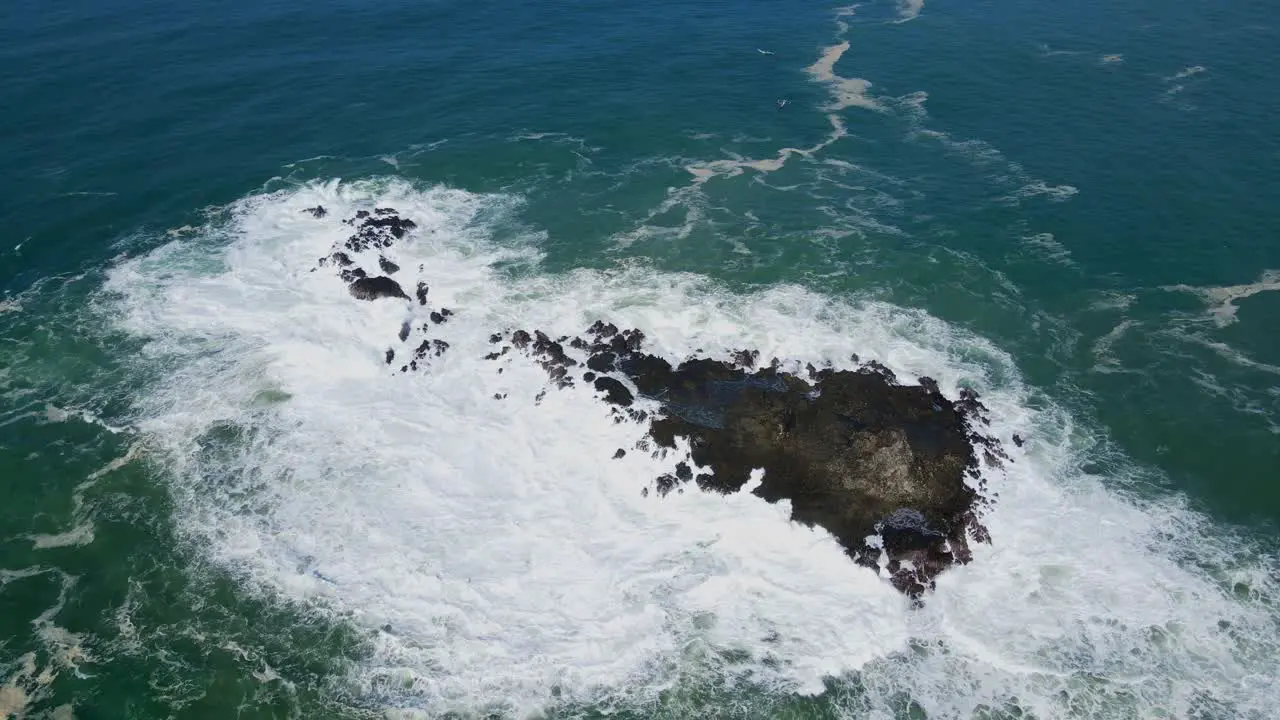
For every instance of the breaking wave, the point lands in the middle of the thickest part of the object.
(499, 559)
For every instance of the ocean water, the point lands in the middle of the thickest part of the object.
(218, 501)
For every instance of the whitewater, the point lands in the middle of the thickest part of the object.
(479, 533)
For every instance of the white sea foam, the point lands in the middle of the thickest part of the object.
(1047, 51)
(1179, 82)
(53, 413)
(27, 680)
(1048, 247)
(685, 199)
(1108, 300)
(909, 9)
(840, 13)
(1104, 360)
(495, 551)
(313, 158)
(982, 154)
(1186, 72)
(845, 92)
(1104, 59)
(13, 692)
(80, 534)
(1037, 188)
(734, 166)
(1228, 353)
(555, 138)
(82, 529)
(1222, 300)
(180, 231)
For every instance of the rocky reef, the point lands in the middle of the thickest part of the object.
(891, 470)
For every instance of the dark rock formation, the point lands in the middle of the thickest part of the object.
(853, 451)
(372, 288)
(377, 230)
(551, 356)
(614, 391)
(890, 470)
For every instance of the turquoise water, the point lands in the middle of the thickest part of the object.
(216, 502)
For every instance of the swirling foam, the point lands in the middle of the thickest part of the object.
(1221, 301)
(499, 556)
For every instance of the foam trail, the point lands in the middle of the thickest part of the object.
(1180, 81)
(493, 550)
(1047, 51)
(732, 167)
(842, 25)
(23, 682)
(1231, 354)
(1104, 359)
(688, 197)
(983, 154)
(909, 10)
(1035, 188)
(1186, 73)
(845, 92)
(1222, 300)
(82, 530)
(1049, 247)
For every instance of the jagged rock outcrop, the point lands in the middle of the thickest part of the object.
(853, 451)
(891, 470)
